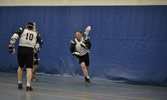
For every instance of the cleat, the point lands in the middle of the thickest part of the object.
(20, 86)
(29, 88)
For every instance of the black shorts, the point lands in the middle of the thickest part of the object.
(25, 57)
(36, 57)
(84, 58)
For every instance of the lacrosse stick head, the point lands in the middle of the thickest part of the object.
(87, 30)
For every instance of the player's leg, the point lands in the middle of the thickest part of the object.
(84, 69)
(21, 61)
(85, 72)
(29, 77)
(35, 67)
(29, 66)
(83, 62)
(20, 74)
(86, 60)
(83, 65)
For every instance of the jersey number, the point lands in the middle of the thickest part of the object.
(29, 36)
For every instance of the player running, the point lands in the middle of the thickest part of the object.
(79, 48)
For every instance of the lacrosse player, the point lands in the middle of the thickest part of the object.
(28, 39)
(79, 48)
(36, 59)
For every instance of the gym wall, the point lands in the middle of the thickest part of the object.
(129, 39)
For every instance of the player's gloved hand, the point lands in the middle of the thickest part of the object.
(83, 44)
(76, 53)
(36, 59)
(87, 38)
(11, 49)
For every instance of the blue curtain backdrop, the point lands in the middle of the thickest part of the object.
(129, 43)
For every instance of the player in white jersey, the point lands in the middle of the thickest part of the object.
(28, 39)
(36, 59)
(79, 48)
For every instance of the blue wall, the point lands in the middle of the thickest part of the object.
(129, 43)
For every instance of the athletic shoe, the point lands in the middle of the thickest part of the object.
(20, 86)
(29, 88)
(87, 79)
(34, 79)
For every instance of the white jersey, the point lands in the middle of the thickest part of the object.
(79, 48)
(28, 38)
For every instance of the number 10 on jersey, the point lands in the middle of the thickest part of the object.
(29, 36)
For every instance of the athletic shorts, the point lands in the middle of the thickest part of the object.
(25, 57)
(36, 57)
(84, 58)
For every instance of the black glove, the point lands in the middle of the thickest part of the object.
(87, 39)
(11, 50)
(85, 43)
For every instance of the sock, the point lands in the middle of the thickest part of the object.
(19, 82)
(28, 84)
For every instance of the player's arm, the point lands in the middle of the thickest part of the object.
(16, 36)
(86, 44)
(13, 40)
(37, 48)
(73, 49)
(39, 40)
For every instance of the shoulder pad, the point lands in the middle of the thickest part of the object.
(73, 42)
(21, 29)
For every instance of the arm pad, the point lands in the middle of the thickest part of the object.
(14, 38)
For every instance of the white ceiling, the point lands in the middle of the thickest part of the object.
(80, 2)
